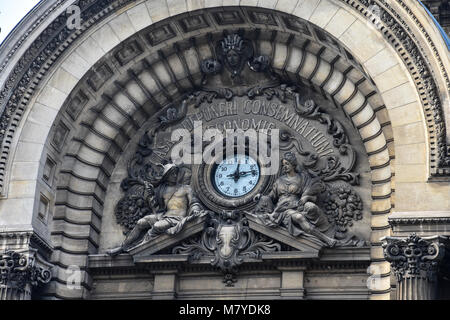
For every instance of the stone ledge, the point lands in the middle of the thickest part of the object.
(423, 223)
(346, 254)
(419, 216)
(98, 261)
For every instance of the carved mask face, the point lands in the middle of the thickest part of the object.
(226, 235)
(233, 58)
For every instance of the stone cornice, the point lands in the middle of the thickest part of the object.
(412, 218)
(24, 239)
(421, 220)
(340, 258)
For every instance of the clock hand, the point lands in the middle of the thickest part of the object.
(236, 173)
(244, 173)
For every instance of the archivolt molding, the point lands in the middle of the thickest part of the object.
(44, 51)
(32, 67)
(424, 32)
(397, 31)
(27, 33)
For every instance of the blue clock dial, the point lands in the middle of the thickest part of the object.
(236, 176)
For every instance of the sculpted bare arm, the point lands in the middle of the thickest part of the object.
(193, 202)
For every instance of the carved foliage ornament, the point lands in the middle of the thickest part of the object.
(229, 240)
(343, 206)
(17, 270)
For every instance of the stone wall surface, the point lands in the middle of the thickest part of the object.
(65, 158)
(263, 286)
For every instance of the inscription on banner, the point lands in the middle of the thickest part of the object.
(245, 113)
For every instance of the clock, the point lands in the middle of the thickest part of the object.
(231, 183)
(236, 176)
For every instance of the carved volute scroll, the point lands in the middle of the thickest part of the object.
(18, 274)
(415, 261)
(228, 239)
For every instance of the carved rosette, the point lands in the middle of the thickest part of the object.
(17, 271)
(415, 261)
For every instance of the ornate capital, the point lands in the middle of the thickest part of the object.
(18, 269)
(414, 256)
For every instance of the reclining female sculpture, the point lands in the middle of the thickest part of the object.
(292, 204)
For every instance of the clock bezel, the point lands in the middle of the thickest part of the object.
(216, 201)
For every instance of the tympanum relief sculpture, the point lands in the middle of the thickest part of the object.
(310, 197)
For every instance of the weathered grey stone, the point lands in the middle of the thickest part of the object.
(95, 162)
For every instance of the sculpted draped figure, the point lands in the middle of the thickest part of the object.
(294, 194)
(172, 203)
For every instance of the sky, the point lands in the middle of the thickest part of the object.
(11, 12)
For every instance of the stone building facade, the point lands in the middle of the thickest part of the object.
(354, 94)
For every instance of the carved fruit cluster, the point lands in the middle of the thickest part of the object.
(343, 206)
(129, 210)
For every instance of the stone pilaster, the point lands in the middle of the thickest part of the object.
(292, 283)
(20, 272)
(415, 261)
(165, 287)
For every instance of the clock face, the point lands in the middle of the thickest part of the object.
(236, 176)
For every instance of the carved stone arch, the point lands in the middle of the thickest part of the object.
(75, 231)
(336, 84)
(381, 180)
